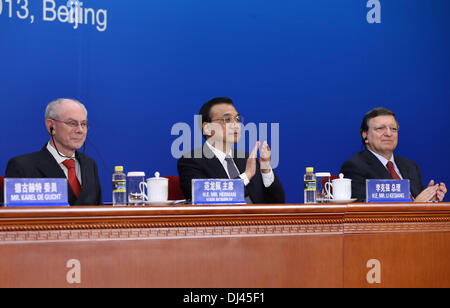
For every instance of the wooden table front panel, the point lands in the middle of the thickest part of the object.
(228, 262)
(409, 260)
(226, 247)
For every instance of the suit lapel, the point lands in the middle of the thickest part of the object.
(48, 166)
(402, 167)
(218, 170)
(214, 164)
(380, 171)
(406, 174)
(241, 164)
(52, 170)
(84, 169)
(86, 174)
(383, 173)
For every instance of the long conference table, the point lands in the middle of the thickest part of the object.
(257, 246)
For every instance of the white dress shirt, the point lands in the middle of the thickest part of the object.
(60, 161)
(384, 161)
(268, 178)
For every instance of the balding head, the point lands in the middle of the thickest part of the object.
(53, 110)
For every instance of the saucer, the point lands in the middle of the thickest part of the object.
(342, 201)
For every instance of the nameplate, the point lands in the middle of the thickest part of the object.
(35, 192)
(218, 191)
(387, 191)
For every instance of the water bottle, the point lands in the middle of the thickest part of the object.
(310, 185)
(119, 187)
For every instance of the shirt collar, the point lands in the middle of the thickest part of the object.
(219, 154)
(55, 154)
(382, 159)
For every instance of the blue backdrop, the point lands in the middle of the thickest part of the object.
(313, 66)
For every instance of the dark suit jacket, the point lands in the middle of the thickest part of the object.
(204, 164)
(43, 165)
(364, 165)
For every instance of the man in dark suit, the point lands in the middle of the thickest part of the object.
(221, 126)
(379, 132)
(66, 122)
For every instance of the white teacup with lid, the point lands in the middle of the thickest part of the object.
(157, 189)
(342, 188)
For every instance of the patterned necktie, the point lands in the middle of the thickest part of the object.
(392, 171)
(72, 176)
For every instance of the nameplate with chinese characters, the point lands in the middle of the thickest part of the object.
(218, 191)
(35, 192)
(387, 191)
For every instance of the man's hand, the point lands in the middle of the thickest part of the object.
(440, 192)
(432, 193)
(250, 168)
(264, 159)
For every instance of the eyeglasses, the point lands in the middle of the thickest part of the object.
(230, 119)
(383, 129)
(75, 124)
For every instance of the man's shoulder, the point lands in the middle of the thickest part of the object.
(83, 156)
(26, 165)
(199, 153)
(28, 158)
(359, 158)
(206, 153)
(362, 163)
(241, 154)
(86, 162)
(403, 160)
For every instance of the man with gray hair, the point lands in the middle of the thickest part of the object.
(67, 126)
(379, 134)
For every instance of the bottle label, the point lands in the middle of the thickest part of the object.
(310, 185)
(120, 186)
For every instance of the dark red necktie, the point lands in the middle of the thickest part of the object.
(72, 176)
(395, 175)
(392, 171)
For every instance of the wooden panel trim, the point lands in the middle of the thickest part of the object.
(158, 233)
(244, 220)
